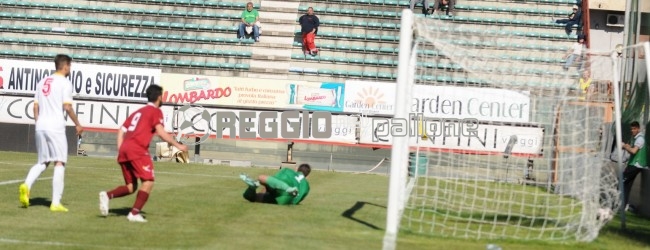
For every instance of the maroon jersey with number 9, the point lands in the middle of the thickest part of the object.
(138, 129)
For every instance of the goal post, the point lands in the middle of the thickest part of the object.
(400, 147)
(513, 143)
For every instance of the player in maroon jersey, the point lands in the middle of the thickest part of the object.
(133, 145)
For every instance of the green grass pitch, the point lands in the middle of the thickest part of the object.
(200, 207)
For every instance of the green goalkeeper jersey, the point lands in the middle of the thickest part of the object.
(293, 179)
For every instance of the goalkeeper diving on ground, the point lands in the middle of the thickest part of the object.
(286, 187)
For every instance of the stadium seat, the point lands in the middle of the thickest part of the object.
(197, 64)
(148, 24)
(325, 72)
(6, 52)
(355, 73)
(168, 62)
(25, 40)
(83, 44)
(369, 74)
(142, 47)
(183, 63)
(387, 50)
(341, 59)
(372, 49)
(371, 61)
(228, 65)
(153, 61)
(113, 46)
(163, 24)
(355, 60)
(124, 59)
(98, 45)
(145, 35)
(213, 65)
(186, 50)
(340, 73)
(109, 58)
(242, 66)
(200, 51)
(127, 47)
(76, 56)
(386, 75)
(170, 49)
(174, 37)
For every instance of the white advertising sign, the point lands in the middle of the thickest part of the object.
(100, 116)
(484, 104)
(459, 137)
(88, 80)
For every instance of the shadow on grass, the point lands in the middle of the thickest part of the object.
(39, 202)
(124, 211)
(358, 206)
(637, 228)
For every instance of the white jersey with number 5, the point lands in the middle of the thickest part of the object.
(51, 93)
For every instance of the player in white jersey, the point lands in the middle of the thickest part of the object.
(53, 96)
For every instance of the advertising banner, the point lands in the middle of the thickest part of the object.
(111, 115)
(252, 93)
(88, 80)
(485, 104)
(456, 135)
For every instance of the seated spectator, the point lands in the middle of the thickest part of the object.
(309, 28)
(575, 52)
(446, 5)
(586, 90)
(573, 18)
(249, 19)
(425, 5)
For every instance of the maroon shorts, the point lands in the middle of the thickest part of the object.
(141, 168)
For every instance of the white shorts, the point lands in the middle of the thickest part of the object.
(51, 146)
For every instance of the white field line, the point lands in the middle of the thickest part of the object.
(117, 168)
(21, 180)
(55, 243)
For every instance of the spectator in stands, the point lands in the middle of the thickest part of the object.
(249, 19)
(586, 90)
(446, 5)
(425, 5)
(309, 27)
(573, 18)
(575, 52)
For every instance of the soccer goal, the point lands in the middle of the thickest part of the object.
(508, 144)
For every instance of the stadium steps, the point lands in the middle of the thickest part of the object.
(460, 78)
(405, 3)
(126, 21)
(390, 12)
(122, 59)
(142, 34)
(389, 49)
(126, 47)
(112, 5)
(527, 66)
(201, 4)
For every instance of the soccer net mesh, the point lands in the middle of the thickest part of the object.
(509, 146)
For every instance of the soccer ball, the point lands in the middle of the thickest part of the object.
(605, 214)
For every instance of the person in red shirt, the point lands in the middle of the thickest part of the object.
(133, 140)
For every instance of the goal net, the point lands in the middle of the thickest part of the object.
(507, 144)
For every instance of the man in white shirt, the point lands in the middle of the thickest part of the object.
(53, 96)
(574, 53)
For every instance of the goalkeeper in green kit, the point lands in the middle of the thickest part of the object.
(286, 187)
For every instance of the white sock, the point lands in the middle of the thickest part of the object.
(57, 184)
(33, 174)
